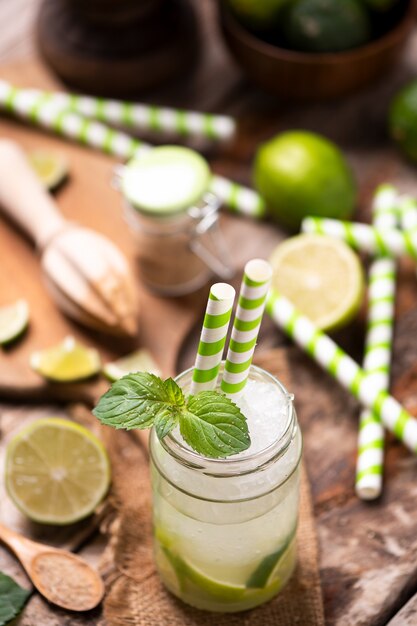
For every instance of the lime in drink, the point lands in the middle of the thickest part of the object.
(225, 529)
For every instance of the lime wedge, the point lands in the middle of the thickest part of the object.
(217, 590)
(50, 167)
(14, 319)
(139, 361)
(57, 472)
(321, 276)
(271, 565)
(66, 362)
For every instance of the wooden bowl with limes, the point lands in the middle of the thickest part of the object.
(310, 76)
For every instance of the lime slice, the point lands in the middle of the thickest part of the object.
(50, 167)
(14, 319)
(217, 590)
(321, 276)
(274, 565)
(66, 362)
(139, 361)
(166, 180)
(57, 472)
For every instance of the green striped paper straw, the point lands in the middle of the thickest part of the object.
(38, 109)
(378, 349)
(213, 337)
(408, 213)
(143, 116)
(238, 198)
(252, 298)
(34, 107)
(365, 238)
(343, 368)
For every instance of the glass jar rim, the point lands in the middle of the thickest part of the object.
(232, 466)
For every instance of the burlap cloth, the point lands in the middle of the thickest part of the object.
(135, 595)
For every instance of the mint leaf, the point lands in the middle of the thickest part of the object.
(174, 392)
(12, 598)
(166, 420)
(209, 422)
(214, 426)
(133, 401)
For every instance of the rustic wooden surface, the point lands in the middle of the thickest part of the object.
(368, 551)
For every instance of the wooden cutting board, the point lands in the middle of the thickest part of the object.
(89, 198)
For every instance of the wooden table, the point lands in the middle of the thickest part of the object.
(368, 551)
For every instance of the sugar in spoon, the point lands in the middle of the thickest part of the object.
(63, 578)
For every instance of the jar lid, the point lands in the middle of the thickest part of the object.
(165, 180)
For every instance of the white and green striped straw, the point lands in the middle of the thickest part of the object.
(213, 337)
(408, 213)
(378, 350)
(252, 298)
(38, 109)
(364, 238)
(34, 107)
(238, 198)
(343, 368)
(142, 116)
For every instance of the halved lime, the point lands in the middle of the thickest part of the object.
(50, 167)
(57, 471)
(321, 276)
(139, 361)
(66, 362)
(14, 319)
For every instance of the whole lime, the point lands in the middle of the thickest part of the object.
(258, 14)
(403, 120)
(325, 25)
(299, 173)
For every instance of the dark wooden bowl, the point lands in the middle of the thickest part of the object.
(307, 76)
(119, 49)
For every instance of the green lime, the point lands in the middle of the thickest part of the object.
(218, 590)
(14, 319)
(258, 14)
(279, 563)
(403, 120)
(50, 167)
(321, 276)
(325, 25)
(57, 472)
(139, 361)
(66, 362)
(299, 173)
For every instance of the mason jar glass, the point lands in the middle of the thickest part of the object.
(175, 220)
(225, 529)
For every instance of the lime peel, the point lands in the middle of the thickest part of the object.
(14, 319)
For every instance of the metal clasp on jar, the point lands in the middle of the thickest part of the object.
(206, 224)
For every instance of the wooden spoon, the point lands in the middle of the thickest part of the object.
(60, 576)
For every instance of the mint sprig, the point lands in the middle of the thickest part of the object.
(12, 598)
(209, 422)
